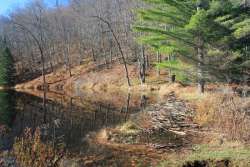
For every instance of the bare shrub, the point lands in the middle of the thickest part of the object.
(232, 118)
(29, 150)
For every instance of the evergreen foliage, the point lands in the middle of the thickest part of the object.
(212, 35)
(7, 69)
(234, 15)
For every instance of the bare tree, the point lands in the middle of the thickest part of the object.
(119, 46)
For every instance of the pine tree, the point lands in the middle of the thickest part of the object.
(183, 28)
(7, 69)
(235, 15)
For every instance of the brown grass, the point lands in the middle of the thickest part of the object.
(232, 118)
(29, 150)
(223, 113)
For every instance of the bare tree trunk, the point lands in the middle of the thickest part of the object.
(127, 106)
(81, 52)
(105, 58)
(147, 60)
(93, 54)
(200, 70)
(67, 60)
(169, 70)
(201, 82)
(158, 61)
(142, 65)
(69, 64)
(119, 47)
(51, 64)
(111, 57)
(143, 102)
(44, 106)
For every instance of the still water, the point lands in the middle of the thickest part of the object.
(65, 120)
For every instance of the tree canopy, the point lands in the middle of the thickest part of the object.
(211, 35)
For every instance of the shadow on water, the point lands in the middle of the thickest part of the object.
(7, 110)
(66, 123)
(7, 117)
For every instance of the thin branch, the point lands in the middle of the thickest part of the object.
(38, 44)
(118, 44)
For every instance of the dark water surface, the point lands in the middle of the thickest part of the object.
(64, 120)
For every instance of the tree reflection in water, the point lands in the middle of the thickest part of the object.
(7, 117)
(69, 122)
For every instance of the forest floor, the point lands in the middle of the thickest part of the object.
(208, 129)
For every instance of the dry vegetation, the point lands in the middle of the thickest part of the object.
(29, 150)
(87, 55)
(224, 122)
(223, 117)
(220, 112)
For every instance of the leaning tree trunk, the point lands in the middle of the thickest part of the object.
(119, 47)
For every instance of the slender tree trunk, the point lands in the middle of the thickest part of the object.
(142, 65)
(158, 61)
(81, 52)
(169, 70)
(111, 57)
(127, 106)
(106, 59)
(44, 106)
(50, 62)
(67, 60)
(147, 60)
(143, 102)
(200, 71)
(200, 56)
(43, 68)
(93, 54)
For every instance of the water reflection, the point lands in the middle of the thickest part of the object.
(68, 121)
(7, 116)
(7, 109)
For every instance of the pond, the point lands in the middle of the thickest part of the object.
(67, 121)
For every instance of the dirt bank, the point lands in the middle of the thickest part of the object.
(96, 78)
